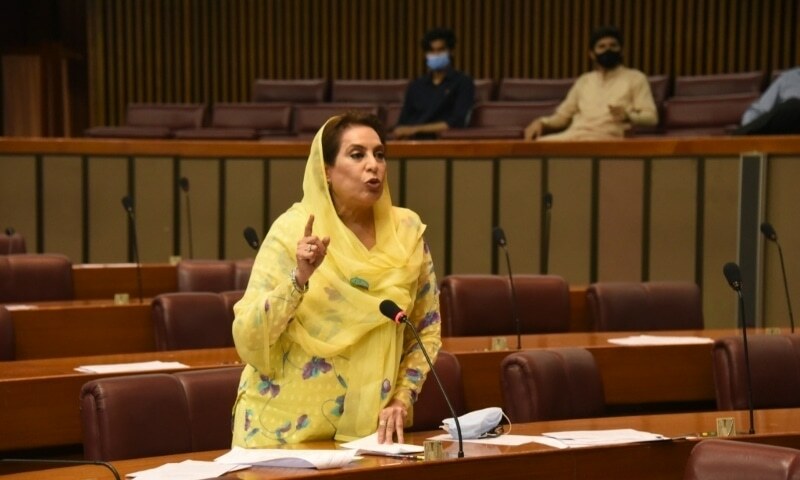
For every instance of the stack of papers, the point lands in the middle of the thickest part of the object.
(131, 367)
(273, 457)
(505, 439)
(369, 444)
(591, 438)
(643, 340)
(186, 470)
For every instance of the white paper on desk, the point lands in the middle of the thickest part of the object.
(369, 444)
(645, 340)
(275, 457)
(587, 438)
(131, 367)
(186, 470)
(19, 306)
(509, 440)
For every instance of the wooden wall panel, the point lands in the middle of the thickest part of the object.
(204, 176)
(108, 222)
(153, 185)
(472, 216)
(721, 195)
(62, 205)
(426, 196)
(604, 209)
(244, 205)
(520, 204)
(211, 51)
(620, 212)
(672, 220)
(570, 181)
(782, 200)
(18, 197)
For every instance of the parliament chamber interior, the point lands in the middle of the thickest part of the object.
(644, 282)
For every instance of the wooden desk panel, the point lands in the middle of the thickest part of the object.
(98, 327)
(103, 280)
(652, 460)
(631, 375)
(80, 328)
(41, 395)
(39, 398)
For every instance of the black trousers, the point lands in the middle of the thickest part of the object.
(783, 119)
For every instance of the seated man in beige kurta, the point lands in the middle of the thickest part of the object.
(603, 103)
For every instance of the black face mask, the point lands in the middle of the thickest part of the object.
(609, 59)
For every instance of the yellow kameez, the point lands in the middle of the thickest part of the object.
(322, 365)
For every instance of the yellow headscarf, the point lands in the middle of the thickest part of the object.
(340, 315)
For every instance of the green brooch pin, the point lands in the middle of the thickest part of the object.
(359, 283)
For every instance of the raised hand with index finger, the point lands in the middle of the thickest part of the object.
(310, 253)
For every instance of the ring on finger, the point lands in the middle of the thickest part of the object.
(308, 247)
(381, 424)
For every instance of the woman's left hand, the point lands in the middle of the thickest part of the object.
(390, 422)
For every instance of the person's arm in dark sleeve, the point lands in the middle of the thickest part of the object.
(462, 107)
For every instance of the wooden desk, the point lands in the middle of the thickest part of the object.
(98, 327)
(96, 281)
(41, 395)
(631, 375)
(651, 460)
(81, 327)
(103, 280)
(39, 398)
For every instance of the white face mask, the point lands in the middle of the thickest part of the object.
(438, 61)
(474, 424)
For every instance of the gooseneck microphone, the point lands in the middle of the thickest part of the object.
(770, 233)
(127, 203)
(734, 277)
(500, 240)
(393, 312)
(70, 463)
(184, 184)
(547, 204)
(251, 237)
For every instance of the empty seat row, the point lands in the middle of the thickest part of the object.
(561, 383)
(235, 121)
(506, 89)
(39, 277)
(160, 413)
(120, 419)
(285, 109)
(481, 305)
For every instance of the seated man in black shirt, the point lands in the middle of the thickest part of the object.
(440, 99)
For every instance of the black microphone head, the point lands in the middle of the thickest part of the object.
(548, 200)
(127, 202)
(391, 310)
(184, 183)
(252, 237)
(10, 231)
(769, 232)
(733, 275)
(499, 236)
